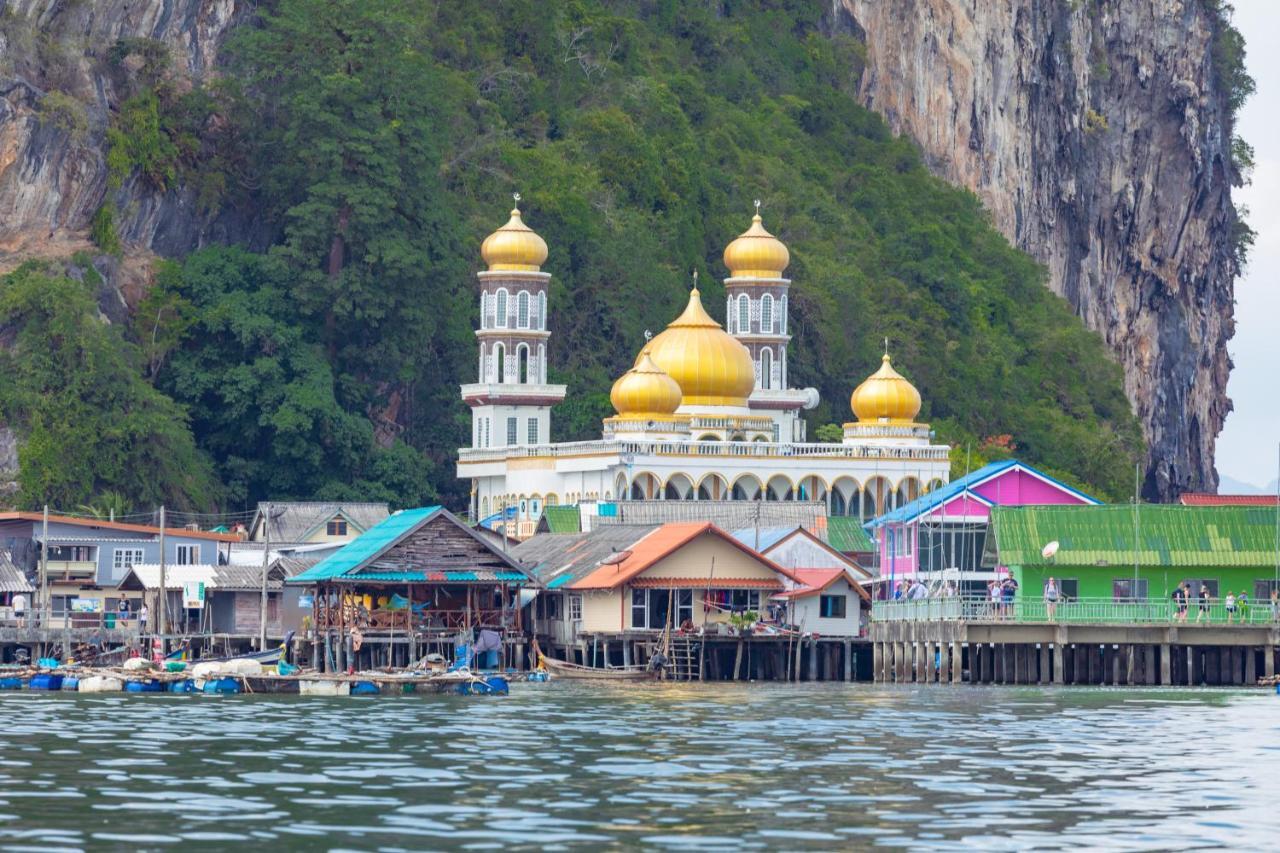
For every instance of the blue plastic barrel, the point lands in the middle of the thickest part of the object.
(148, 686)
(10, 683)
(45, 681)
(224, 686)
(184, 686)
(365, 688)
(70, 682)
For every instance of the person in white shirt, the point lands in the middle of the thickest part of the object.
(20, 609)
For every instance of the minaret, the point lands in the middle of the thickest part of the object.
(757, 315)
(511, 401)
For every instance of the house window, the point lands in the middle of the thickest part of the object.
(553, 607)
(766, 369)
(1069, 588)
(1196, 583)
(72, 553)
(511, 432)
(187, 555)
(337, 527)
(575, 608)
(1262, 589)
(533, 430)
(122, 559)
(639, 608)
(833, 606)
(684, 606)
(1126, 589)
(744, 599)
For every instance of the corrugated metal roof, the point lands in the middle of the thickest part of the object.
(562, 519)
(1174, 536)
(763, 538)
(367, 545)
(847, 535)
(941, 495)
(293, 521)
(12, 578)
(562, 558)
(1206, 499)
(436, 577)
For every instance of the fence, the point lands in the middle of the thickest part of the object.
(1078, 610)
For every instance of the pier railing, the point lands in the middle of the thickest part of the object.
(1076, 610)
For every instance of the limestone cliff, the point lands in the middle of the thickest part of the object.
(56, 93)
(1098, 135)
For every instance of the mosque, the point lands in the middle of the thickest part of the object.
(705, 413)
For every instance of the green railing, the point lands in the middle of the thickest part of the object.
(1079, 610)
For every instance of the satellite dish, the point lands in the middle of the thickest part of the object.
(617, 558)
(1049, 550)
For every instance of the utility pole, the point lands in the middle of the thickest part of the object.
(1136, 529)
(266, 558)
(164, 594)
(46, 604)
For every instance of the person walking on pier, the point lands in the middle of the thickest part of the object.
(122, 613)
(1180, 594)
(1204, 603)
(1275, 605)
(1051, 598)
(20, 609)
(142, 619)
(1009, 590)
(1230, 602)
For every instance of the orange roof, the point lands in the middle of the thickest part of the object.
(1207, 499)
(703, 583)
(660, 543)
(117, 525)
(818, 580)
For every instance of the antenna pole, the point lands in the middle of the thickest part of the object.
(1136, 527)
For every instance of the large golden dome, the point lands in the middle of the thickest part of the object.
(711, 367)
(756, 253)
(645, 390)
(514, 246)
(886, 396)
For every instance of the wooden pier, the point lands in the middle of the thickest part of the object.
(999, 652)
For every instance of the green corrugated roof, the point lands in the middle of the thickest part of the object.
(1171, 536)
(366, 546)
(563, 519)
(847, 535)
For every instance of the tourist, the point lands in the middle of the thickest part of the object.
(1051, 598)
(1180, 594)
(1230, 602)
(1275, 605)
(20, 609)
(996, 593)
(1204, 603)
(897, 591)
(142, 618)
(917, 591)
(122, 612)
(1242, 606)
(1009, 590)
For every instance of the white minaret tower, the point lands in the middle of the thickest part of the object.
(757, 315)
(511, 401)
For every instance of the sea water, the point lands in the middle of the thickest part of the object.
(722, 766)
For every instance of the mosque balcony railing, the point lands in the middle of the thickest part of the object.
(1086, 611)
(732, 422)
(731, 449)
(887, 430)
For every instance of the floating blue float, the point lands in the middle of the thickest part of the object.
(149, 686)
(45, 681)
(222, 686)
(70, 682)
(10, 683)
(184, 686)
(365, 688)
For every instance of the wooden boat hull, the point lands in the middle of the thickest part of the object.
(564, 669)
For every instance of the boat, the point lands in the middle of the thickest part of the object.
(267, 657)
(564, 669)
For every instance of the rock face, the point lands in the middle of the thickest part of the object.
(1099, 137)
(55, 97)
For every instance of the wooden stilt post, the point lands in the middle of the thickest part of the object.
(957, 662)
(848, 660)
(1166, 664)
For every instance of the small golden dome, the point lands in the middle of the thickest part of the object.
(756, 253)
(645, 390)
(514, 246)
(711, 366)
(886, 396)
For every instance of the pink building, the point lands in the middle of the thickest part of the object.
(947, 527)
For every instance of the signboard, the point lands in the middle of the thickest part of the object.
(193, 595)
(86, 605)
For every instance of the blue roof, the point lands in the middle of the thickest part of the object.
(932, 500)
(366, 546)
(561, 580)
(769, 536)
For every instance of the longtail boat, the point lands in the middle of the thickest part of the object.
(564, 669)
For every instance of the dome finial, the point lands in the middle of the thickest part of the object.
(514, 246)
(757, 207)
(756, 253)
(886, 346)
(695, 279)
(515, 196)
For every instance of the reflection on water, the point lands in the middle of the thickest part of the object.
(565, 765)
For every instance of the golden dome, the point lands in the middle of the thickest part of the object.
(756, 253)
(711, 366)
(645, 390)
(886, 396)
(514, 246)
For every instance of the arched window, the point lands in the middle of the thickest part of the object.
(782, 315)
(502, 307)
(782, 367)
(485, 319)
(766, 313)
(522, 310)
(522, 364)
(499, 363)
(766, 368)
(542, 310)
(744, 314)
(540, 369)
(728, 314)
